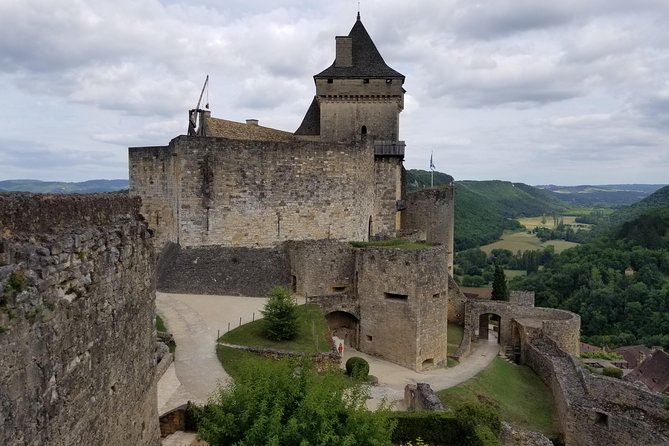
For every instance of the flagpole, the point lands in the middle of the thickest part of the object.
(431, 170)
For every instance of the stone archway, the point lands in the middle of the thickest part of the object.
(490, 322)
(345, 326)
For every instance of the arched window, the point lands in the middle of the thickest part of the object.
(363, 131)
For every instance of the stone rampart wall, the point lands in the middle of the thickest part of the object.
(560, 325)
(456, 303)
(321, 267)
(521, 297)
(153, 178)
(388, 190)
(223, 270)
(403, 297)
(594, 409)
(432, 211)
(77, 338)
(259, 193)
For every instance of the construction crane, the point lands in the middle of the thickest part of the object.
(196, 123)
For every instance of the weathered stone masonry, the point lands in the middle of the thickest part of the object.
(77, 340)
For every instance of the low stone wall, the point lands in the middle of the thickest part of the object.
(77, 344)
(223, 270)
(322, 361)
(594, 409)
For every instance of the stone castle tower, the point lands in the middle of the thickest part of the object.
(358, 96)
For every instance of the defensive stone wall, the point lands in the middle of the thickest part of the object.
(77, 337)
(321, 267)
(343, 117)
(152, 173)
(456, 303)
(521, 297)
(403, 297)
(431, 211)
(241, 193)
(560, 325)
(594, 409)
(388, 191)
(223, 270)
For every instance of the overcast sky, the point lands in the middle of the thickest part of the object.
(534, 91)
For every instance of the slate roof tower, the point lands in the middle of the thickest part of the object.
(357, 96)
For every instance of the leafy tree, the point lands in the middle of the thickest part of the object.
(288, 403)
(499, 290)
(280, 315)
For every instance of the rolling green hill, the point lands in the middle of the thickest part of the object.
(657, 199)
(61, 187)
(484, 209)
(605, 195)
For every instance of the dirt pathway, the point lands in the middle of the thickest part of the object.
(393, 378)
(195, 321)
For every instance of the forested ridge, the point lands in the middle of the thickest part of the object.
(484, 209)
(618, 283)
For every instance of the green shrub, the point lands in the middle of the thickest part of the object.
(613, 372)
(431, 427)
(16, 283)
(473, 420)
(357, 368)
(483, 436)
(280, 315)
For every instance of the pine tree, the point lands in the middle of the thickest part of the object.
(499, 291)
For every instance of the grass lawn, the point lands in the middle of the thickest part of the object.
(522, 241)
(312, 333)
(160, 325)
(523, 399)
(569, 220)
(454, 337)
(236, 361)
(511, 273)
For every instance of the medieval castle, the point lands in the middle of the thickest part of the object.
(236, 208)
(338, 178)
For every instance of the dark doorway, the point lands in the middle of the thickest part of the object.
(490, 327)
(344, 325)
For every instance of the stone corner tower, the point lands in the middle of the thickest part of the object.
(358, 96)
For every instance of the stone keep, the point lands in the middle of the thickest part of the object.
(338, 177)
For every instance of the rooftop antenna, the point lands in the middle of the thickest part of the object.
(196, 122)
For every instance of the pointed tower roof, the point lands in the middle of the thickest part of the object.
(367, 61)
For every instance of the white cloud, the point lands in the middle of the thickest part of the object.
(510, 89)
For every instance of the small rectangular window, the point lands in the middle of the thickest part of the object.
(369, 338)
(395, 296)
(338, 289)
(436, 296)
(330, 81)
(365, 81)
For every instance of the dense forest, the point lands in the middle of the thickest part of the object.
(618, 283)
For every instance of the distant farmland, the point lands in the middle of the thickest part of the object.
(522, 241)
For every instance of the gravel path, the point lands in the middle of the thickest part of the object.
(195, 321)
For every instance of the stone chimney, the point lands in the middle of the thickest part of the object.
(251, 122)
(344, 57)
